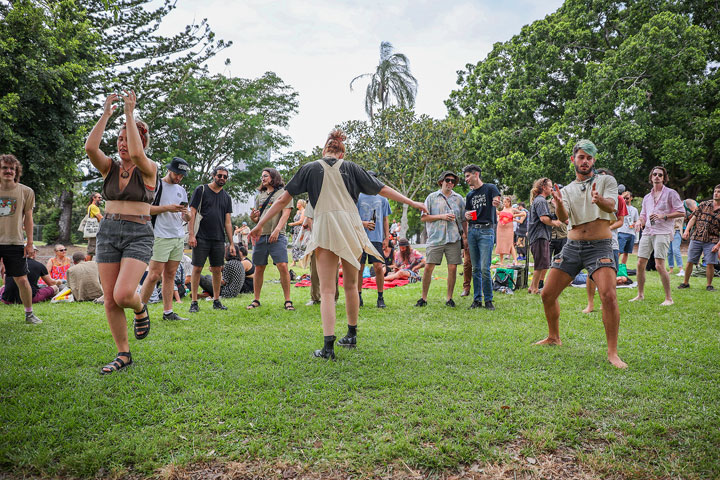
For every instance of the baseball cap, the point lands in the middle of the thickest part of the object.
(179, 166)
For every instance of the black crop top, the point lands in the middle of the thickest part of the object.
(134, 191)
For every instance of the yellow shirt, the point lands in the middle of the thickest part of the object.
(93, 211)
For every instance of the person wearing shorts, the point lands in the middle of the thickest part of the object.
(660, 208)
(93, 211)
(125, 237)
(626, 233)
(705, 239)
(213, 203)
(445, 229)
(374, 211)
(169, 209)
(589, 203)
(540, 231)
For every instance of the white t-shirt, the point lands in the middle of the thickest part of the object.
(170, 224)
(630, 218)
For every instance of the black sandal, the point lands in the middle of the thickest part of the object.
(289, 307)
(117, 364)
(253, 305)
(142, 325)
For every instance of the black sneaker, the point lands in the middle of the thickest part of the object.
(710, 288)
(347, 341)
(476, 304)
(381, 303)
(217, 305)
(324, 353)
(683, 285)
(194, 307)
(489, 305)
(450, 303)
(172, 316)
(421, 303)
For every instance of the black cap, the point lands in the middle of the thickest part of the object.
(179, 166)
(445, 174)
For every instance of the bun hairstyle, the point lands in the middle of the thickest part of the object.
(334, 143)
(143, 130)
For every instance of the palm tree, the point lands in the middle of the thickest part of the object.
(392, 79)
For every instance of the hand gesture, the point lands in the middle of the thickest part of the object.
(557, 196)
(130, 100)
(595, 194)
(109, 107)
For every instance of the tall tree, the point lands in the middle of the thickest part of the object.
(391, 82)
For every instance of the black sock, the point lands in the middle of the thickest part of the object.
(380, 295)
(352, 330)
(329, 342)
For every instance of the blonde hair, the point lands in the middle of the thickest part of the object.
(301, 202)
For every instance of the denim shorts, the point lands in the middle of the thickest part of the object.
(118, 239)
(587, 254)
(263, 249)
(696, 248)
(626, 242)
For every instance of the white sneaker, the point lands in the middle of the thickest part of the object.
(681, 273)
(311, 303)
(32, 319)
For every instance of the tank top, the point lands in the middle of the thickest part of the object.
(57, 271)
(134, 191)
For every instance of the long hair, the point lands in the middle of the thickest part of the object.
(538, 187)
(663, 170)
(276, 180)
(11, 160)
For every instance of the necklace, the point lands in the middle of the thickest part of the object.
(584, 183)
(125, 173)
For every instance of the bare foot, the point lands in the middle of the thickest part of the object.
(615, 361)
(588, 309)
(638, 298)
(667, 303)
(549, 341)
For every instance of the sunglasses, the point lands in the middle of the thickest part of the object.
(658, 174)
(450, 180)
(220, 175)
(61, 250)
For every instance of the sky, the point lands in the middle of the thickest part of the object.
(319, 46)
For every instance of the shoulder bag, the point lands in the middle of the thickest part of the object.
(198, 214)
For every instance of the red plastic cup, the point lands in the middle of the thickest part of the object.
(473, 215)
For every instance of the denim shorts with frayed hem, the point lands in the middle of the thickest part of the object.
(118, 239)
(587, 254)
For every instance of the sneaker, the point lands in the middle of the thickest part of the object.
(348, 342)
(32, 319)
(323, 353)
(421, 303)
(194, 307)
(311, 303)
(681, 273)
(381, 303)
(172, 316)
(683, 285)
(476, 304)
(489, 305)
(450, 303)
(710, 288)
(217, 305)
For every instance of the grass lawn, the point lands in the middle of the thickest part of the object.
(430, 390)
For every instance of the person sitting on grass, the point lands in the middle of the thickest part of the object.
(59, 264)
(233, 276)
(10, 293)
(83, 279)
(408, 263)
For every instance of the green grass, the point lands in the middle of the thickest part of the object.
(434, 388)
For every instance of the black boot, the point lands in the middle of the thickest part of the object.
(328, 351)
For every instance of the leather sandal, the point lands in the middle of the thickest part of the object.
(141, 326)
(117, 364)
(289, 305)
(253, 305)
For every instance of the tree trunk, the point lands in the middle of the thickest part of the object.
(404, 221)
(65, 220)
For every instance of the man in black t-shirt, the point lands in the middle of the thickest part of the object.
(36, 270)
(481, 215)
(215, 206)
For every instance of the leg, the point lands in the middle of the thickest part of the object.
(709, 273)
(284, 279)
(688, 271)
(399, 275)
(216, 273)
(665, 279)
(474, 248)
(109, 273)
(327, 264)
(379, 277)
(168, 284)
(360, 277)
(195, 282)
(427, 277)
(624, 258)
(467, 271)
(352, 302)
(557, 282)
(605, 279)
(452, 277)
(487, 241)
(25, 292)
(314, 281)
(642, 262)
(154, 272)
(258, 283)
(590, 287)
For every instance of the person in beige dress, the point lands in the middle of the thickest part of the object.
(333, 186)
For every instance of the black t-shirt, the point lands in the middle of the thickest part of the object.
(523, 227)
(36, 270)
(213, 209)
(310, 178)
(481, 200)
(536, 229)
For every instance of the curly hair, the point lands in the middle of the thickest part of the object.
(10, 160)
(334, 142)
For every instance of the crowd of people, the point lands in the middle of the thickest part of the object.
(345, 224)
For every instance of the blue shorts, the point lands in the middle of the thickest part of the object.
(263, 249)
(705, 248)
(118, 239)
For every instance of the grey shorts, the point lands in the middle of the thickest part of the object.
(118, 239)
(434, 253)
(587, 254)
(705, 248)
(263, 249)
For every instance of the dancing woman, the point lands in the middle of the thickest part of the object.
(125, 238)
(333, 186)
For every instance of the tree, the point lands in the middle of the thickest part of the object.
(391, 80)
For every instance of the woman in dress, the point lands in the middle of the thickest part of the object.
(58, 265)
(505, 235)
(298, 251)
(125, 238)
(333, 186)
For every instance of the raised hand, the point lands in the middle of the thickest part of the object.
(130, 100)
(109, 107)
(595, 195)
(557, 196)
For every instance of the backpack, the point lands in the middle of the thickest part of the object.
(504, 277)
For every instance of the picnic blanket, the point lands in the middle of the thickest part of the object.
(367, 283)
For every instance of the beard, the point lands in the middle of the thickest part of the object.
(586, 171)
(220, 182)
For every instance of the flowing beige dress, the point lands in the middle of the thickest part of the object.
(336, 221)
